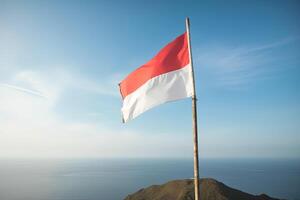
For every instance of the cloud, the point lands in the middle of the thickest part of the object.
(31, 127)
(276, 44)
(106, 85)
(234, 67)
(51, 83)
(32, 92)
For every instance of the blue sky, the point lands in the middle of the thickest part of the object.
(60, 62)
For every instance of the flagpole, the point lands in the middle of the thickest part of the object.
(194, 110)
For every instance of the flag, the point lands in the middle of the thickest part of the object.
(166, 77)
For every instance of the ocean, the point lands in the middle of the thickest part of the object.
(114, 179)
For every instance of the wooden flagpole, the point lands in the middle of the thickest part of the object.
(194, 110)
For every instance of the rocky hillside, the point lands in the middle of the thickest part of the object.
(210, 189)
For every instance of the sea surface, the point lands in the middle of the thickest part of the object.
(114, 179)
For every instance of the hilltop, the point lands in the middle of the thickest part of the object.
(210, 189)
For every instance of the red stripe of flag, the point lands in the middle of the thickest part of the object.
(172, 57)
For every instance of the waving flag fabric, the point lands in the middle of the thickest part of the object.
(166, 77)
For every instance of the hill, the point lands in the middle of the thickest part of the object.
(210, 189)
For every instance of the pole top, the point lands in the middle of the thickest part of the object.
(187, 19)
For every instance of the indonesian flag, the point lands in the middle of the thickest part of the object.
(166, 77)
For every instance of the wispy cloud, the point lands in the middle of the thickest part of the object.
(31, 127)
(234, 67)
(31, 92)
(107, 86)
(275, 44)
